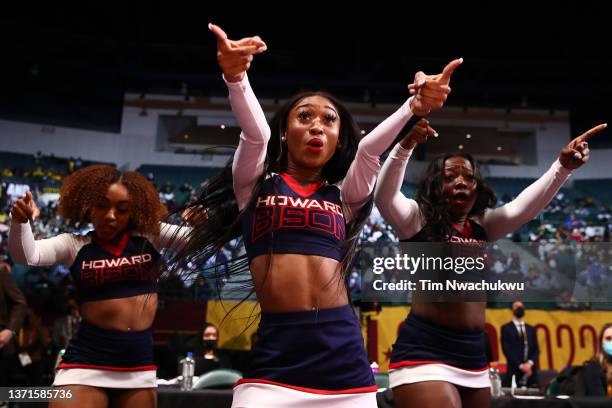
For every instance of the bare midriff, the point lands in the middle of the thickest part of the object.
(295, 282)
(134, 313)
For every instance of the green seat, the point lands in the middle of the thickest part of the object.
(220, 378)
(382, 380)
(553, 388)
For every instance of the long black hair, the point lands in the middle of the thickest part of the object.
(218, 200)
(433, 204)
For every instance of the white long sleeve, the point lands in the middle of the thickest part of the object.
(404, 216)
(363, 172)
(250, 156)
(170, 236)
(45, 252)
(505, 219)
(63, 249)
(400, 212)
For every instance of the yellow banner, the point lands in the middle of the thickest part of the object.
(237, 322)
(565, 338)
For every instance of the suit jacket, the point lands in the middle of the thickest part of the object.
(13, 307)
(514, 349)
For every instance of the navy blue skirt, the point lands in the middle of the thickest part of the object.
(423, 342)
(311, 350)
(98, 348)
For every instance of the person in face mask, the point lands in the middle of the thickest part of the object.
(597, 372)
(210, 357)
(520, 346)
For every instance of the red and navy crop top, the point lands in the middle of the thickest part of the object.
(99, 270)
(102, 271)
(471, 232)
(286, 217)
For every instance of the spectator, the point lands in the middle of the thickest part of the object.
(597, 372)
(210, 357)
(354, 282)
(520, 346)
(31, 342)
(201, 288)
(12, 312)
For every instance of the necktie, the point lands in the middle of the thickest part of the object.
(524, 338)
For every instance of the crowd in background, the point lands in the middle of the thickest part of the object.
(52, 315)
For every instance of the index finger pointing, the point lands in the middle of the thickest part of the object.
(449, 69)
(219, 33)
(591, 132)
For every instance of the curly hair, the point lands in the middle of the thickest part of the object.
(84, 188)
(434, 205)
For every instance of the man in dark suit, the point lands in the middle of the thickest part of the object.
(13, 308)
(520, 346)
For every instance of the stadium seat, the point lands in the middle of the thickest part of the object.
(382, 380)
(221, 378)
